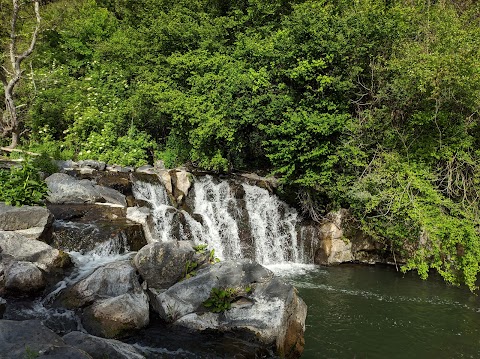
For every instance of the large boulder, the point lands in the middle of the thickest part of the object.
(118, 316)
(113, 300)
(24, 277)
(262, 305)
(162, 264)
(66, 189)
(31, 339)
(110, 280)
(101, 348)
(30, 250)
(33, 222)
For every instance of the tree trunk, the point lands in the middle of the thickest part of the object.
(10, 123)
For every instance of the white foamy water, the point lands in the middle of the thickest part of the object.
(292, 270)
(216, 205)
(163, 213)
(257, 226)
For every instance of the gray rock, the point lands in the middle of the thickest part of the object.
(121, 169)
(31, 221)
(24, 277)
(30, 250)
(63, 353)
(29, 339)
(66, 165)
(162, 264)
(118, 316)
(273, 313)
(97, 165)
(100, 348)
(3, 307)
(159, 164)
(148, 169)
(108, 281)
(187, 296)
(66, 189)
(111, 196)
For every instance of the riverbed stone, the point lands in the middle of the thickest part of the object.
(41, 254)
(31, 339)
(24, 277)
(101, 348)
(110, 280)
(269, 309)
(32, 222)
(161, 264)
(118, 316)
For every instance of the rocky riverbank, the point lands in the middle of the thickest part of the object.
(155, 223)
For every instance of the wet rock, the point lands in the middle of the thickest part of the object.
(100, 348)
(108, 281)
(24, 277)
(3, 307)
(30, 250)
(63, 353)
(181, 182)
(271, 310)
(30, 338)
(118, 316)
(162, 264)
(32, 222)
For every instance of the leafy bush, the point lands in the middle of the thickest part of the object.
(22, 185)
(132, 149)
(220, 299)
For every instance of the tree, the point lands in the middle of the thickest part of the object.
(11, 74)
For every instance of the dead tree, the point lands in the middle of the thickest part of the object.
(10, 77)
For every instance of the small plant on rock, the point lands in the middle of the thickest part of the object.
(190, 269)
(220, 299)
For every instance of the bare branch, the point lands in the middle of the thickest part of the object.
(29, 51)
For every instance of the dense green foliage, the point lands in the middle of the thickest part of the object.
(372, 105)
(22, 185)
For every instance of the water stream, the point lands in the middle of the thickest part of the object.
(353, 311)
(236, 219)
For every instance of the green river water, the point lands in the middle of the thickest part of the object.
(375, 312)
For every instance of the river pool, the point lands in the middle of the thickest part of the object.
(357, 311)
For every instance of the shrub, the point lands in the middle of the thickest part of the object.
(22, 185)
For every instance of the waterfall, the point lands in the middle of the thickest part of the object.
(273, 226)
(236, 219)
(156, 195)
(217, 207)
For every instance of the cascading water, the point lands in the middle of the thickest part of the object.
(236, 219)
(273, 226)
(85, 262)
(162, 211)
